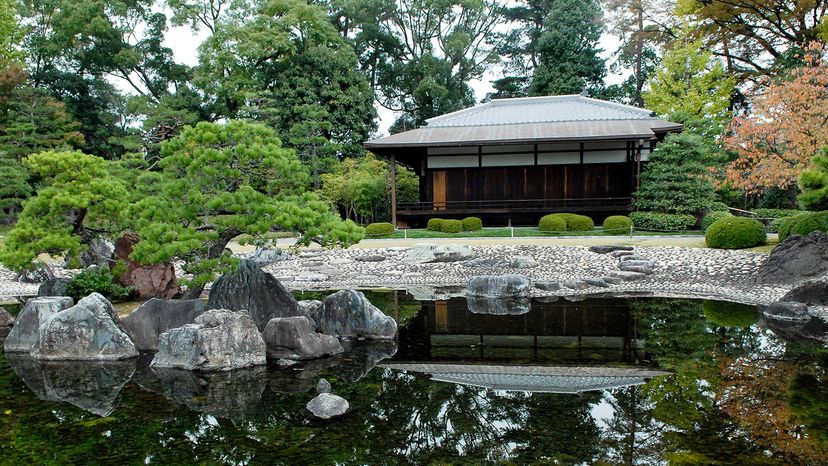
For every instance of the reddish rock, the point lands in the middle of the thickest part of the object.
(149, 281)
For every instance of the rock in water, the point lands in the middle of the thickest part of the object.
(811, 292)
(328, 405)
(53, 287)
(219, 340)
(498, 306)
(348, 313)
(498, 286)
(424, 253)
(6, 319)
(797, 258)
(311, 308)
(250, 288)
(87, 331)
(292, 338)
(788, 311)
(156, 316)
(24, 335)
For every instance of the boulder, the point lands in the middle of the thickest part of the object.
(53, 287)
(149, 281)
(98, 253)
(548, 285)
(348, 313)
(6, 319)
(88, 331)
(425, 253)
(35, 273)
(293, 338)
(311, 308)
(323, 386)
(787, 311)
(498, 306)
(498, 286)
(24, 335)
(328, 405)
(219, 340)
(797, 258)
(250, 288)
(811, 292)
(523, 262)
(606, 249)
(265, 256)
(156, 316)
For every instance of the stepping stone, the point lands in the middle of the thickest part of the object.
(548, 286)
(612, 280)
(636, 268)
(629, 275)
(608, 249)
(370, 258)
(597, 282)
(633, 257)
(643, 263)
(622, 253)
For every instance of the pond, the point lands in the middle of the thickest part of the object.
(612, 381)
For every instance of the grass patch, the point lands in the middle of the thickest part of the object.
(520, 232)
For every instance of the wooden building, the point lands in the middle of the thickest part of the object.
(514, 160)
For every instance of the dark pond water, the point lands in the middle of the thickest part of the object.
(602, 381)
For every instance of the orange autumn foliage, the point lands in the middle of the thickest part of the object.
(787, 127)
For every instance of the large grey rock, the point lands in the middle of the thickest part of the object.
(98, 253)
(811, 292)
(348, 313)
(498, 286)
(787, 310)
(53, 287)
(251, 289)
(498, 306)
(523, 262)
(797, 258)
(37, 272)
(24, 335)
(6, 319)
(156, 316)
(424, 253)
(218, 340)
(328, 405)
(311, 308)
(88, 331)
(293, 338)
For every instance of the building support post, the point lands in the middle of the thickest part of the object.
(394, 190)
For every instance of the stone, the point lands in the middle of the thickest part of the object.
(797, 258)
(323, 386)
(24, 335)
(498, 306)
(436, 293)
(157, 316)
(426, 253)
(88, 331)
(265, 256)
(6, 319)
(149, 281)
(98, 253)
(53, 287)
(788, 311)
(369, 258)
(612, 280)
(548, 286)
(599, 282)
(622, 253)
(293, 338)
(251, 289)
(628, 276)
(311, 308)
(286, 363)
(576, 284)
(632, 257)
(523, 262)
(218, 340)
(636, 268)
(348, 313)
(811, 292)
(36, 273)
(638, 263)
(498, 286)
(328, 405)
(606, 249)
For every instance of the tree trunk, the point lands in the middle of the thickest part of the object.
(214, 252)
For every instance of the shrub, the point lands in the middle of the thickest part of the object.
(575, 222)
(663, 222)
(451, 226)
(617, 224)
(714, 216)
(777, 213)
(725, 314)
(379, 229)
(735, 233)
(803, 224)
(552, 222)
(97, 280)
(785, 225)
(434, 224)
(718, 207)
(472, 224)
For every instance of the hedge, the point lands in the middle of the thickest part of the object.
(663, 222)
(552, 222)
(575, 222)
(451, 226)
(735, 233)
(379, 229)
(803, 224)
(777, 213)
(434, 224)
(714, 216)
(617, 225)
(472, 224)
(718, 207)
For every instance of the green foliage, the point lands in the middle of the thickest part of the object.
(97, 280)
(777, 213)
(617, 224)
(552, 222)
(814, 183)
(576, 222)
(659, 221)
(727, 314)
(374, 230)
(784, 226)
(78, 201)
(815, 221)
(434, 224)
(14, 189)
(451, 226)
(676, 179)
(718, 207)
(712, 217)
(735, 233)
(472, 224)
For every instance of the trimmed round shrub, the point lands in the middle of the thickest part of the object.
(735, 233)
(784, 226)
(725, 314)
(472, 224)
(451, 226)
(434, 224)
(817, 221)
(660, 221)
(714, 216)
(575, 222)
(379, 229)
(552, 222)
(617, 225)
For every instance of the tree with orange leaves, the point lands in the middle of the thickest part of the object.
(786, 129)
